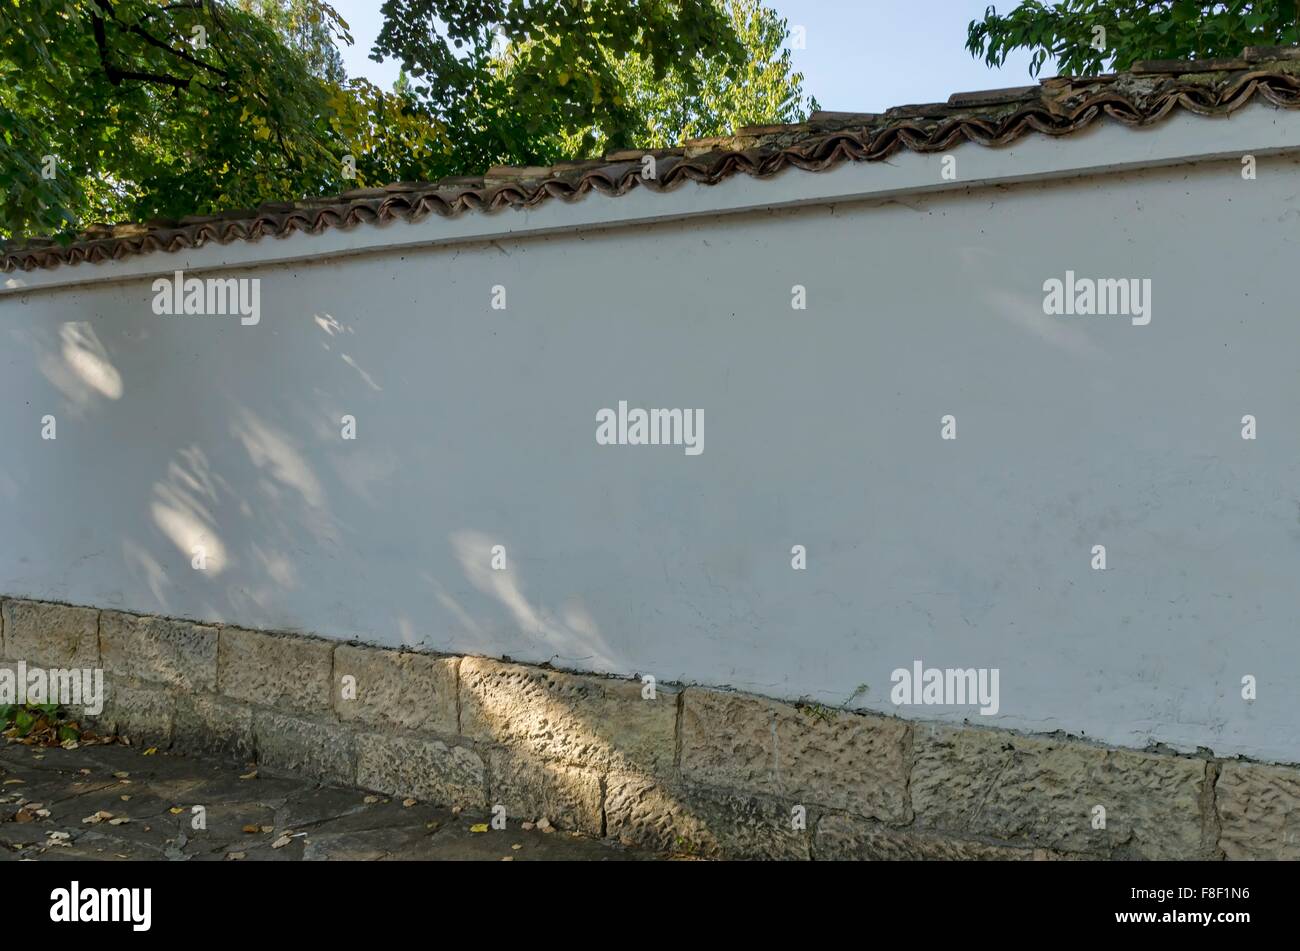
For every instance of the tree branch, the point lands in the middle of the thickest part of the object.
(116, 76)
(107, 7)
(181, 54)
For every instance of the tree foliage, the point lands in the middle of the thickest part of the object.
(704, 96)
(504, 78)
(306, 28)
(150, 109)
(1130, 30)
(529, 84)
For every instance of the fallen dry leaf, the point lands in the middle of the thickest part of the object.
(175, 810)
(268, 829)
(408, 803)
(479, 827)
(517, 846)
(281, 842)
(251, 828)
(150, 751)
(119, 821)
(252, 775)
(371, 799)
(235, 856)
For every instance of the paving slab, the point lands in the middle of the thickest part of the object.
(113, 802)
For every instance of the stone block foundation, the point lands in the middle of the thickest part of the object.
(693, 770)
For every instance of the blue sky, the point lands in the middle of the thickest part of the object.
(861, 56)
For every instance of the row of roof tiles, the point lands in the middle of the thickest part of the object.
(1057, 106)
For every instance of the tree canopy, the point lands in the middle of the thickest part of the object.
(1087, 37)
(130, 110)
(702, 96)
(135, 109)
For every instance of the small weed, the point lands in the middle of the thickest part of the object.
(818, 711)
(825, 714)
(859, 691)
(38, 724)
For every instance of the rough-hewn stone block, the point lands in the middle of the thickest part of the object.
(422, 767)
(286, 672)
(569, 796)
(705, 822)
(140, 711)
(583, 720)
(847, 761)
(159, 649)
(397, 688)
(850, 838)
(208, 723)
(309, 746)
(51, 635)
(1259, 811)
(1037, 791)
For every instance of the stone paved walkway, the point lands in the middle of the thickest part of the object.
(60, 804)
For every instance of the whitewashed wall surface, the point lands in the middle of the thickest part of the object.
(475, 372)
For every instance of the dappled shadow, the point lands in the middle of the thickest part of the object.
(78, 366)
(183, 507)
(570, 631)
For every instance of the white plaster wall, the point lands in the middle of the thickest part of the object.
(476, 427)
